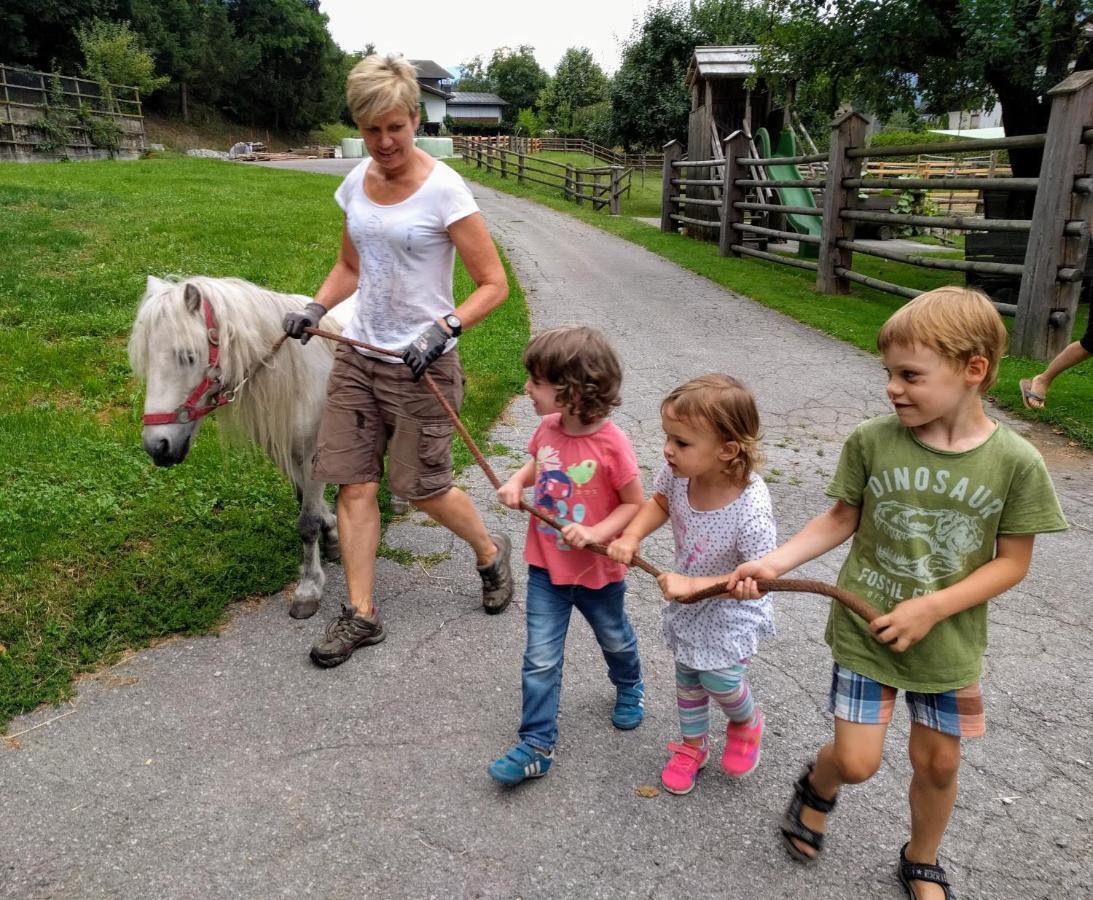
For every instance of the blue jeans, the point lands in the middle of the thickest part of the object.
(548, 610)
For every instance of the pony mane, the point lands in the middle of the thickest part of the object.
(283, 394)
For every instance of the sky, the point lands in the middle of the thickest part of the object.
(457, 30)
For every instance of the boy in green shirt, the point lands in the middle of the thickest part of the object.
(943, 504)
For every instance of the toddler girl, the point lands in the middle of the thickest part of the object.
(721, 515)
(585, 475)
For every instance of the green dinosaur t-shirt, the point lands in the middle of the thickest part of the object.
(929, 518)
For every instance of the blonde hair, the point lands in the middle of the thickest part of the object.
(582, 366)
(955, 322)
(723, 405)
(379, 84)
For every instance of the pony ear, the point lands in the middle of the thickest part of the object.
(193, 298)
(155, 285)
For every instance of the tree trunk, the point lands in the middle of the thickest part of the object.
(183, 102)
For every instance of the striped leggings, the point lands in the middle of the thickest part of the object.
(694, 688)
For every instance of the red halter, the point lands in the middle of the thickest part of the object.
(191, 410)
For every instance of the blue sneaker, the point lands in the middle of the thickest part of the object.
(521, 762)
(629, 707)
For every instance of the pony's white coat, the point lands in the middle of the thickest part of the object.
(279, 397)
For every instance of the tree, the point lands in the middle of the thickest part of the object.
(649, 102)
(194, 43)
(295, 71)
(39, 33)
(578, 82)
(113, 55)
(516, 77)
(473, 77)
(937, 54)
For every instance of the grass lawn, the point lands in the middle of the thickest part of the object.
(854, 318)
(99, 550)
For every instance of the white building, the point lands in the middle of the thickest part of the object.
(476, 106)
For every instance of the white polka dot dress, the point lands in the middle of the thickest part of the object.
(715, 634)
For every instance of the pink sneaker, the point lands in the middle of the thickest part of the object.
(681, 771)
(742, 741)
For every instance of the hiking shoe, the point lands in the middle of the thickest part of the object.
(497, 576)
(521, 762)
(629, 707)
(681, 771)
(742, 741)
(344, 635)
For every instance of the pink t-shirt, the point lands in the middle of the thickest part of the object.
(577, 479)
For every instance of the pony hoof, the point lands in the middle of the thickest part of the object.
(303, 609)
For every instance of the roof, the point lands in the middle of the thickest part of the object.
(475, 98)
(426, 68)
(723, 62)
(429, 89)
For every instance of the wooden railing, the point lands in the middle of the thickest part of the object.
(26, 96)
(601, 186)
(1058, 234)
(526, 145)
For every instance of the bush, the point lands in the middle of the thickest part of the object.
(331, 134)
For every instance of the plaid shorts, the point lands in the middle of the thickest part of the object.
(856, 698)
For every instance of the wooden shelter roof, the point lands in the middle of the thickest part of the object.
(722, 62)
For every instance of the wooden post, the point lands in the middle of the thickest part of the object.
(847, 131)
(673, 152)
(504, 162)
(477, 153)
(520, 167)
(616, 189)
(569, 180)
(1065, 156)
(577, 187)
(737, 146)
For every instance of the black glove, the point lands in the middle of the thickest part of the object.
(294, 323)
(425, 349)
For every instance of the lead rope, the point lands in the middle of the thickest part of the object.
(796, 585)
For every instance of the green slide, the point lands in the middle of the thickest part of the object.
(790, 196)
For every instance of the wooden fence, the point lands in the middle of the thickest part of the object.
(601, 186)
(526, 145)
(1057, 236)
(28, 97)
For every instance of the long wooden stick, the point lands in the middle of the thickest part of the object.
(797, 585)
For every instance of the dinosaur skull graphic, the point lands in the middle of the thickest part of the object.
(939, 540)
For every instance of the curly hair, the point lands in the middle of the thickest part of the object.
(582, 366)
(725, 407)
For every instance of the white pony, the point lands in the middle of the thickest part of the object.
(203, 344)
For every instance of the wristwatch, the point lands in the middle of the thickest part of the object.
(453, 322)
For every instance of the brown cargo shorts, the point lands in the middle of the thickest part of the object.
(375, 408)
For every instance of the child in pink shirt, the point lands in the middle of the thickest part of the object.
(585, 475)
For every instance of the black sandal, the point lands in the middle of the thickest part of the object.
(913, 871)
(793, 827)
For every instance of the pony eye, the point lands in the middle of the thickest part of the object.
(186, 357)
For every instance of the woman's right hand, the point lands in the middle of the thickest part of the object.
(511, 493)
(623, 549)
(742, 581)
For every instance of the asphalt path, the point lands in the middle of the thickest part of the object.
(228, 766)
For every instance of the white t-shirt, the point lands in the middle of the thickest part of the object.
(716, 634)
(406, 256)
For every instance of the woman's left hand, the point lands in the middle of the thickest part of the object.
(425, 349)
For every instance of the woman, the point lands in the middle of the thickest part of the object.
(405, 216)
